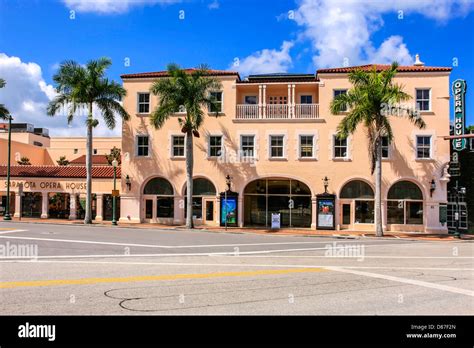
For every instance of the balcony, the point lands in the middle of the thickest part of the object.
(277, 112)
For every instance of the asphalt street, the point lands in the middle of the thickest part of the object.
(67, 269)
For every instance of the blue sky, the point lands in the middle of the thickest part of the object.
(263, 36)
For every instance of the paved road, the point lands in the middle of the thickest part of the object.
(105, 270)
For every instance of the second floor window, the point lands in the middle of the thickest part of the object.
(217, 107)
(385, 147)
(338, 92)
(143, 103)
(250, 99)
(423, 99)
(276, 146)
(340, 147)
(178, 145)
(142, 145)
(306, 99)
(423, 146)
(215, 146)
(247, 146)
(306, 146)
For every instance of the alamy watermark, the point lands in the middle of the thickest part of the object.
(348, 250)
(27, 251)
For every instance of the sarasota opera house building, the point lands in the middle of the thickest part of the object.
(271, 150)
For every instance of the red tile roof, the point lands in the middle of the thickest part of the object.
(190, 70)
(380, 67)
(99, 172)
(97, 160)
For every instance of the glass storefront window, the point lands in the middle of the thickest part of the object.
(395, 212)
(290, 198)
(165, 207)
(414, 213)
(364, 212)
(405, 204)
(31, 204)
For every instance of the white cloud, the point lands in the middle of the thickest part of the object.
(266, 61)
(340, 31)
(111, 6)
(26, 95)
(214, 5)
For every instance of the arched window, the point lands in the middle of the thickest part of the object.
(405, 204)
(362, 201)
(290, 198)
(357, 189)
(201, 188)
(158, 186)
(163, 192)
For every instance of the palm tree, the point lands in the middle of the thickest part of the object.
(189, 91)
(372, 94)
(84, 86)
(4, 113)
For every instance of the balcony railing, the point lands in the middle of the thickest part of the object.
(277, 111)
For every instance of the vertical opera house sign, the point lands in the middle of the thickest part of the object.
(459, 92)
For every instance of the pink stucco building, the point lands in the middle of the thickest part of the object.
(275, 137)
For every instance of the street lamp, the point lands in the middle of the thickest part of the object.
(7, 216)
(432, 187)
(114, 164)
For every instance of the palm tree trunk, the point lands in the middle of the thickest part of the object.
(189, 179)
(88, 215)
(378, 189)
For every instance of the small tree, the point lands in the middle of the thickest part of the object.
(62, 161)
(24, 161)
(114, 154)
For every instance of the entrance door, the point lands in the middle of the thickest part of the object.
(346, 215)
(149, 210)
(209, 212)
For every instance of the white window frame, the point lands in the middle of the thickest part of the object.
(304, 95)
(137, 145)
(209, 145)
(313, 150)
(283, 154)
(222, 103)
(172, 146)
(429, 98)
(334, 137)
(389, 150)
(139, 103)
(430, 146)
(334, 96)
(241, 152)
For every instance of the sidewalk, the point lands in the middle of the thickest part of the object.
(263, 231)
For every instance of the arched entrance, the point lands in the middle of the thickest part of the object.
(356, 201)
(405, 204)
(59, 205)
(291, 198)
(204, 201)
(158, 201)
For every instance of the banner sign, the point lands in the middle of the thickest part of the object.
(459, 91)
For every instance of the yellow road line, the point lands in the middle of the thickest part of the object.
(83, 281)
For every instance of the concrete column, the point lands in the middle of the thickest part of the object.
(289, 101)
(293, 105)
(99, 205)
(218, 209)
(240, 216)
(72, 207)
(314, 213)
(260, 111)
(264, 101)
(179, 210)
(17, 205)
(44, 205)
